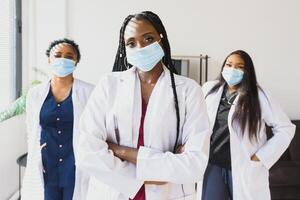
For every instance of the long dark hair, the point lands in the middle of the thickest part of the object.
(248, 111)
(121, 61)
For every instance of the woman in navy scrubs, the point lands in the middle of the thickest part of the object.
(60, 102)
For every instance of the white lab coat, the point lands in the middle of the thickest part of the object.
(251, 178)
(119, 95)
(33, 183)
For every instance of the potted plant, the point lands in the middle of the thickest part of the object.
(18, 107)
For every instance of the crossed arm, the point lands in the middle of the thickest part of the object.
(130, 154)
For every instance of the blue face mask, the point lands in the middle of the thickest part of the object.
(62, 67)
(145, 58)
(232, 76)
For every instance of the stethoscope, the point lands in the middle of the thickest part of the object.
(229, 100)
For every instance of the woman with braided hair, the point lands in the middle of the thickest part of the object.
(145, 130)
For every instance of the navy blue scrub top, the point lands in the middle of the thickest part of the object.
(56, 120)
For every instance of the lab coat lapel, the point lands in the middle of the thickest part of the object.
(42, 94)
(126, 98)
(77, 109)
(235, 137)
(160, 101)
(155, 106)
(216, 101)
(235, 129)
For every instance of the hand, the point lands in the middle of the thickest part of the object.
(117, 149)
(180, 149)
(155, 183)
(113, 147)
(124, 153)
(255, 158)
(120, 151)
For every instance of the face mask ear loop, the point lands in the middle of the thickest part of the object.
(161, 36)
(124, 61)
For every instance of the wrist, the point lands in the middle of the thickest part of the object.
(121, 152)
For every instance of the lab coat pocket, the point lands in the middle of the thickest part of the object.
(257, 174)
(44, 154)
(184, 192)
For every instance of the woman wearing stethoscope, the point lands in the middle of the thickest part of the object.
(53, 109)
(240, 154)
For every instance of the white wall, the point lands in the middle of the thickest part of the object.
(12, 145)
(6, 96)
(268, 30)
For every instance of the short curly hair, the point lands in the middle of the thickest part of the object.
(67, 41)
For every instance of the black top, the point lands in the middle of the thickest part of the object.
(220, 138)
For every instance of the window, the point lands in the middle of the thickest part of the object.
(10, 51)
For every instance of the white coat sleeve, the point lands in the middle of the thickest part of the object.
(189, 166)
(93, 155)
(282, 128)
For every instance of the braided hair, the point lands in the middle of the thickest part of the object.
(121, 61)
(65, 41)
